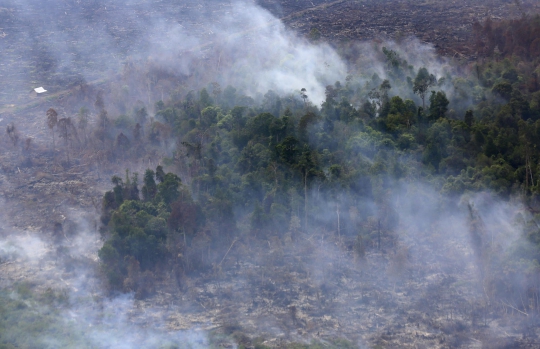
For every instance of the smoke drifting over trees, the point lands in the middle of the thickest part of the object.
(221, 181)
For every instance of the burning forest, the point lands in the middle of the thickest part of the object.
(209, 174)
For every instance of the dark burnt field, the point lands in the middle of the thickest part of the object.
(445, 24)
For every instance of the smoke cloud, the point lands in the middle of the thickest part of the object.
(66, 270)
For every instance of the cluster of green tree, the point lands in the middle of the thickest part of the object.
(282, 165)
(138, 228)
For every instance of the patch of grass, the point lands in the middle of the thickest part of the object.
(32, 320)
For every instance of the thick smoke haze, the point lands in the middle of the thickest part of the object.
(254, 50)
(57, 45)
(243, 45)
(68, 266)
(434, 242)
(269, 57)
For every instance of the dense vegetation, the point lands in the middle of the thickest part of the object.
(279, 165)
(27, 318)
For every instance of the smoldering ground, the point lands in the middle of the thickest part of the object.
(427, 276)
(424, 281)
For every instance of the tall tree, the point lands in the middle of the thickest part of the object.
(99, 103)
(308, 168)
(12, 133)
(335, 174)
(423, 81)
(168, 189)
(469, 118)
(83, 121)
(137, 133)
(141, 115)
(160, 174)
(52, 120)
(183, 217)
(149, 188)
(216, 91)
(385, 100)
(122, 143)
(304, 95)
(438, 105)
(68, 132)
(204, 99)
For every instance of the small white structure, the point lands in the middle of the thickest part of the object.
(40, 90)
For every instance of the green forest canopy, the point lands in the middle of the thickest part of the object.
(275, 167)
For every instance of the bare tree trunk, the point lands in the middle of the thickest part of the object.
(67, 152)
(275, 168)
(338, 222)
(379, 236)
(305, 200)
(526, 172)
